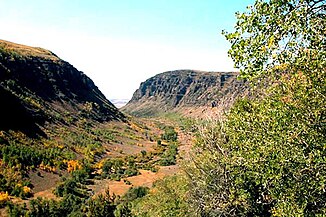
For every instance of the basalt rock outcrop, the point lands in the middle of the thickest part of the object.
(185, 91)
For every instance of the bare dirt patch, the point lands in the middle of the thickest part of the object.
(42, 180)
(48, 194)
(146, 178)
(118, 150)
(3, 212)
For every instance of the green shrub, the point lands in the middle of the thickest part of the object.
(169, 156)
(168, 198)
(135, 193)
(169, 134)
(267, 157)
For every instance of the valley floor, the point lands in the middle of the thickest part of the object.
(140, 140)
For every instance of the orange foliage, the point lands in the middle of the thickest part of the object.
(73, 165)
(47, 168)
(99, 165)
(4, 197)
(60, 146)
(26, 190)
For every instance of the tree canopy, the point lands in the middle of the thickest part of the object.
(279, 34)
(268, 156)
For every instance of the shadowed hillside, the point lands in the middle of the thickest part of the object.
(37, 87)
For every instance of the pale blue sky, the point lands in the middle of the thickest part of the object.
(123, 42)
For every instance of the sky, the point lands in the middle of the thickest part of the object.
(121, 43)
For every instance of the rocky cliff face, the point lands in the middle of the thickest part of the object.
(184, 89)
(37, 87)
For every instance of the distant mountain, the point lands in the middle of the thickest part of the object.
(186, 91)
(119, 102)
(37, 87)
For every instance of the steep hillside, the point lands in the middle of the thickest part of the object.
(185, 91)
(61, 139)
(37, 87)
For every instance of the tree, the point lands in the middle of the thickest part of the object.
(279, 34)
(167, 198)
(101, 206)
(169, 134)
(267, 157)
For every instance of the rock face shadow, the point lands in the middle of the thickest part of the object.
(14, 116)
